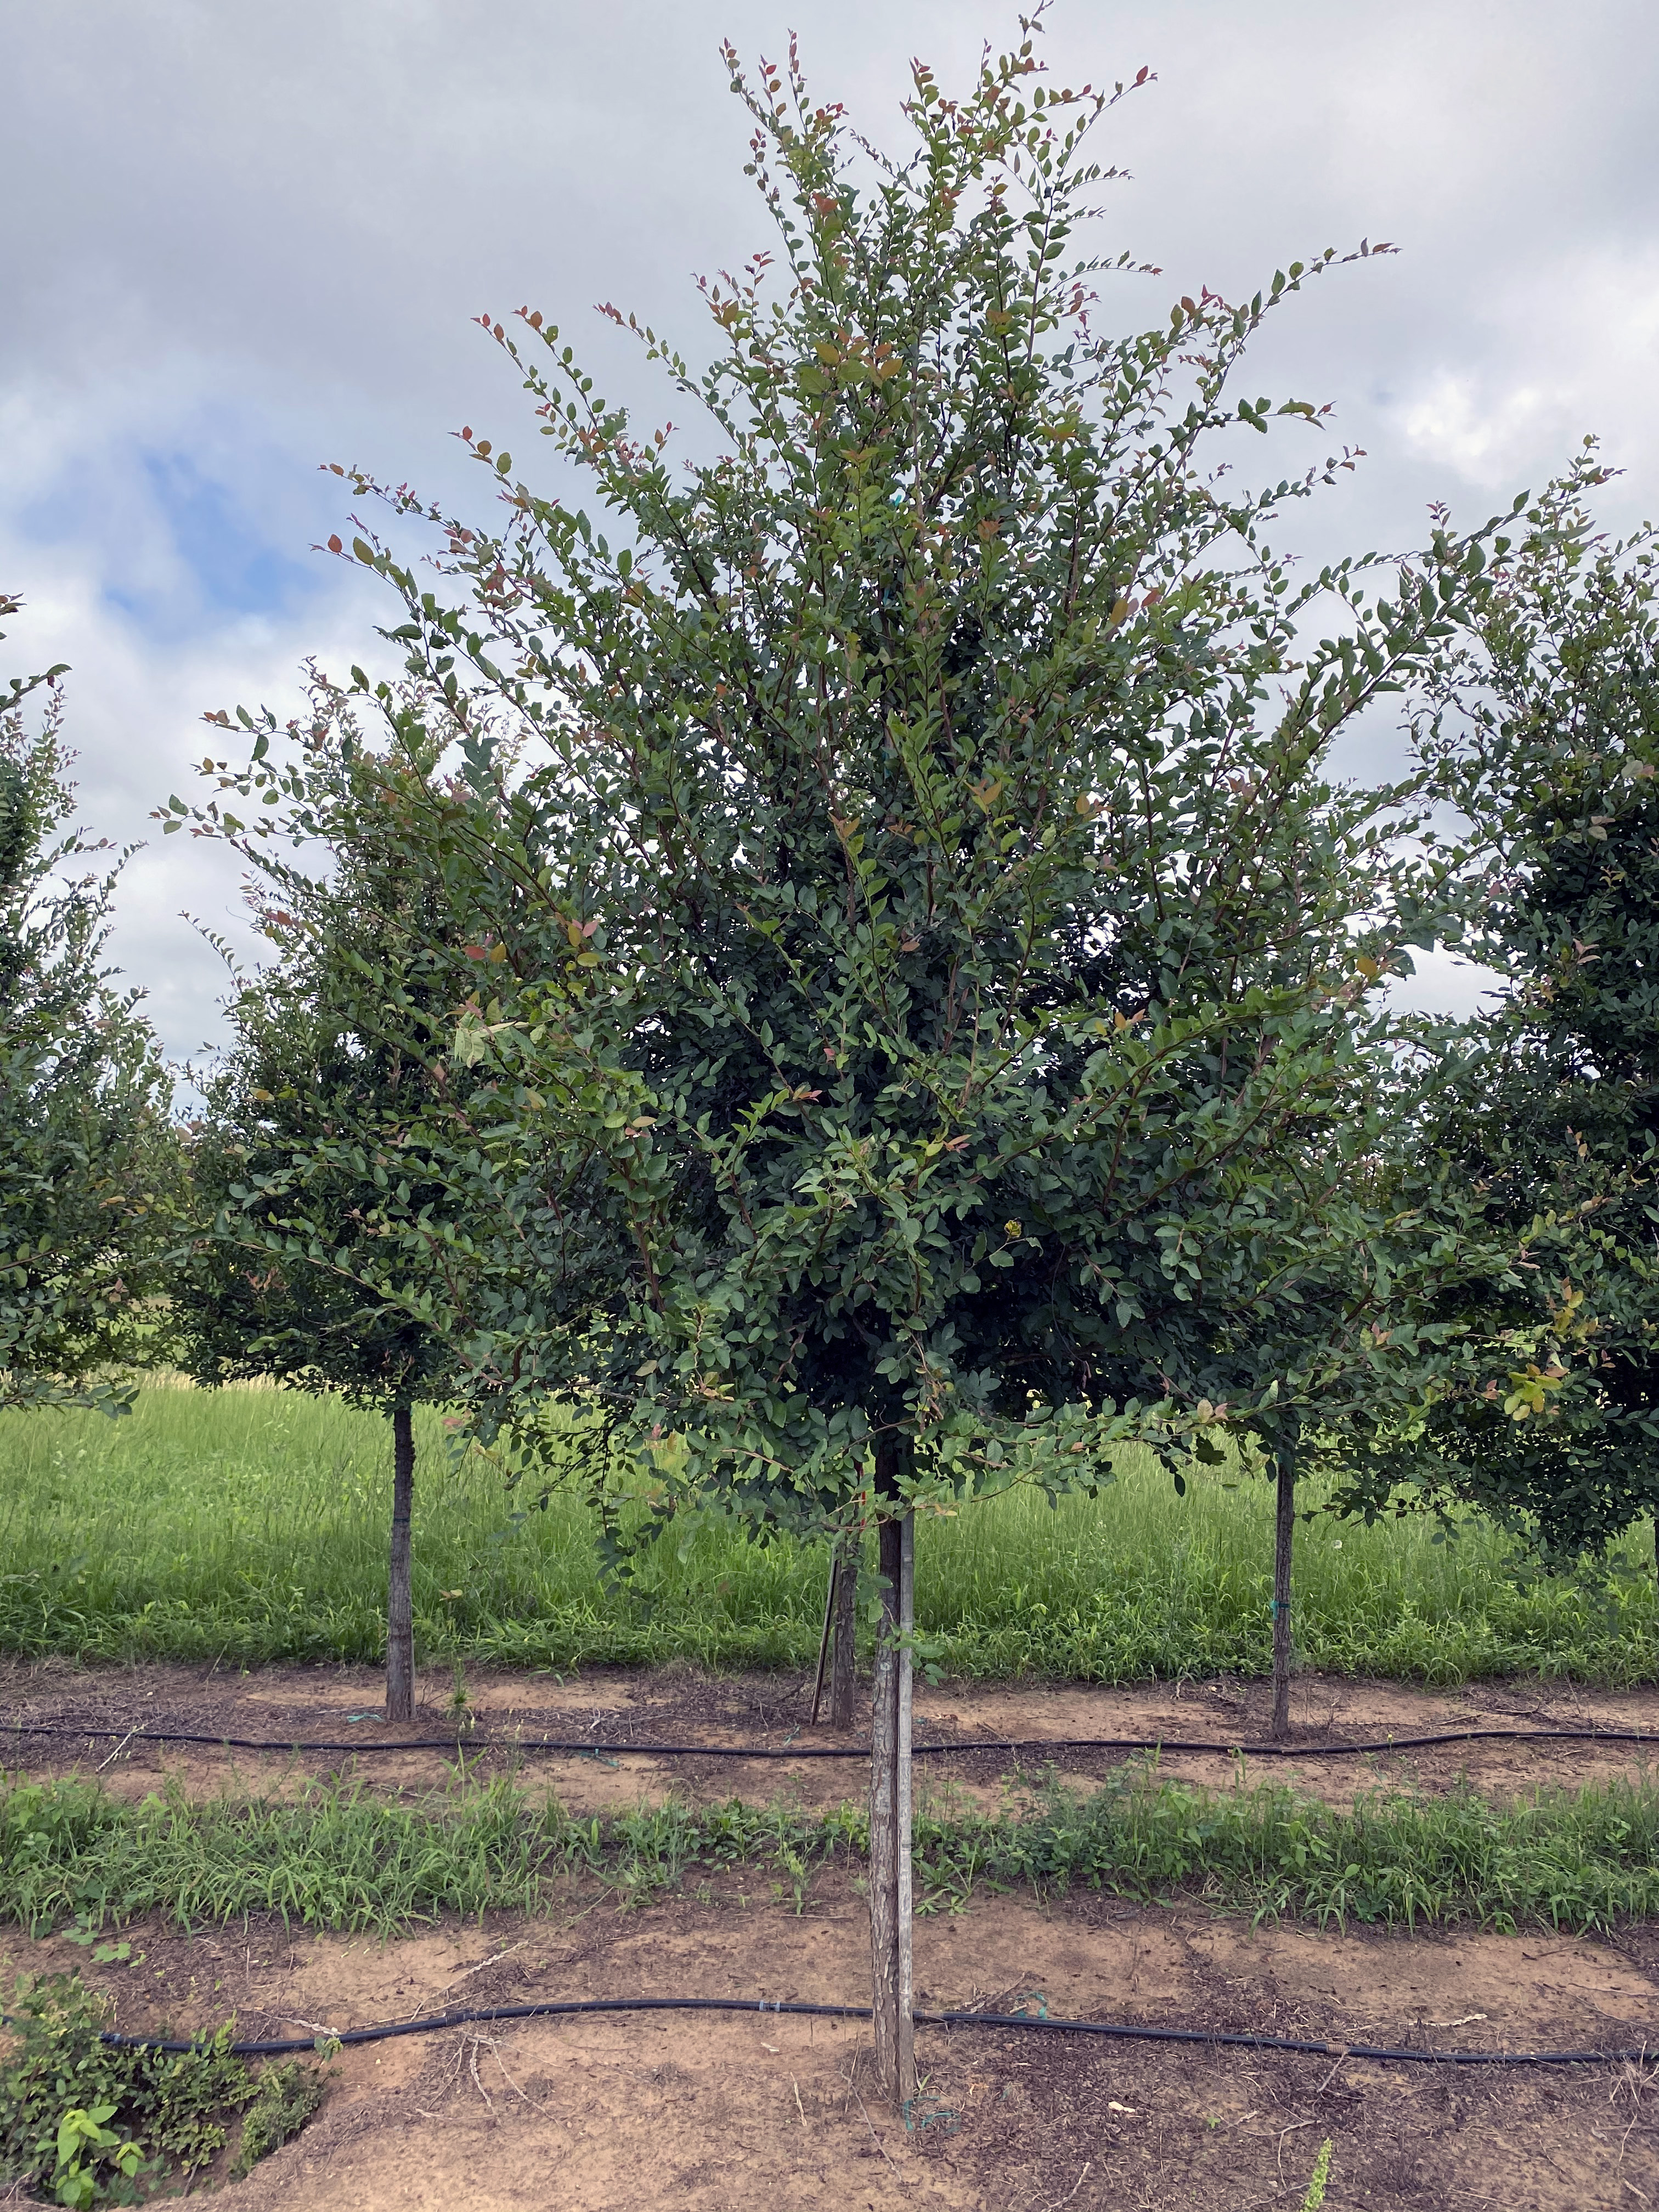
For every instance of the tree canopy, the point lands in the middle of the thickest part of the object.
(88, 1162)
(1545, 730)
(308, 1164)
(927, 963)
(305, 1158)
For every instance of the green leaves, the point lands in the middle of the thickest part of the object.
(89, 1168)
(92, 2120)
(314, 1200)
(1542, 725)
(926, 1003)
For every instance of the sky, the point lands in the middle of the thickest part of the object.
(244, 242)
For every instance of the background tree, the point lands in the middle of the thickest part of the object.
(1355, 1311)
(305, 1167)
(89, 1161)
(1545, 734)
(928, 940)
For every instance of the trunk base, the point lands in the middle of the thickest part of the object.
(1284, 1539)
(842, 1678)
(891, 1899)
(399, 1610)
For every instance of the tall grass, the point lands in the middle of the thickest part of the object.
(251, 1525)
(335, 1857)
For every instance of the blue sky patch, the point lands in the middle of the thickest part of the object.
(235, 568)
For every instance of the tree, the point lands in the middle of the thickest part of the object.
(928, 1017)
(1545, 732)
(304, 1164)
(89, 1163)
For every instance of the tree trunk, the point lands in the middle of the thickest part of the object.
(905, 1870)
(889, 1800)
(842, 1678)
(829, 1625)
(891, 1903)
(1284, 1536)
(400, 1607)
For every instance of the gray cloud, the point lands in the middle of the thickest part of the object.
(247, 241)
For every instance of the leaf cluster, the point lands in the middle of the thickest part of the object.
(927, 969)
(1543, 728)
(90, 1171)
(173, 2108)
(314, 1197)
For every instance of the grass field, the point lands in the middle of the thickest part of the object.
(251, 1525)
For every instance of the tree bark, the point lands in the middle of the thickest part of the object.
(841, 1677)
(905, 1869)
(1284, 1536)
(829, 1625)
(399, 1607)
(891, 1801)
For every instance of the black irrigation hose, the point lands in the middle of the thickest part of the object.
(856, 1750)
(1120, 2031)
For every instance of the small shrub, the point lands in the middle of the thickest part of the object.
(285, 2096)
(94, 2122)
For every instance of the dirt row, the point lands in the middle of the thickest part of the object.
(508, 1715)
(712, 2112)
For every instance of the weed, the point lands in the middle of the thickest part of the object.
(103, 2124)
(104, 1954)
(285, 2097)
(1321, 2174)
(84, 2143)
(335, 1857)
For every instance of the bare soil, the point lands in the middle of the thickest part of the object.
(511, 1713)
(708, 2111)
(711, 2112)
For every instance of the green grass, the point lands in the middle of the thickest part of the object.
(337, 1858)
(249, 1526)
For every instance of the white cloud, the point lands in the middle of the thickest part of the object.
(133, 716)
(242, 241)
(1556, 359)
(1484, 437)
(1443, 983)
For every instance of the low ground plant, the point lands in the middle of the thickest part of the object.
(335, 1857)
(248, 1526)
(96, 2123)
(1318, 2179)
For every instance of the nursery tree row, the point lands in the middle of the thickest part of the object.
(843, 955)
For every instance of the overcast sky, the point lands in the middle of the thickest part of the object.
(241, 241)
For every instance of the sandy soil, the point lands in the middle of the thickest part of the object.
(710, 2111)
(714, 2111)
(613, 1706)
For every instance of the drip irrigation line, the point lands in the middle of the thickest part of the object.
(585, 1746)
(1119, 2030)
